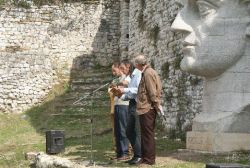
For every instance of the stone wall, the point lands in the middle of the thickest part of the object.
(124, 28)
(39, 46)
(150, 33)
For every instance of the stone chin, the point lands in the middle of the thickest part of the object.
(192, 66)
(188, 65)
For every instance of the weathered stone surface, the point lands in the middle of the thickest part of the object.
(217, 142)
(150, 33)
(43, 160)
(30, 156)
(40, 45)
(47, 161)
(216, 46)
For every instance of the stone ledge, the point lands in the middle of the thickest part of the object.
(217, 142)
(226, 165)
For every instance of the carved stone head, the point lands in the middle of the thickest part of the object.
(216, 33)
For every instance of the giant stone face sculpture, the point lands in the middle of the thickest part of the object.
(216, 45)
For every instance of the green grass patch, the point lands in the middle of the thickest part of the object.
(22, 133)
(17, 137)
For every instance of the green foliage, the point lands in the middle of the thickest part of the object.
(165, 70)
(153, 34)
(45, 2)
(152, 64)
(141, 21)
(108, 4)
(177, 62)
(98, 66)
(22, 4)
(194, 81)
(177, 134)
(143, 4)
(17, 137)
(168, 96)
(2, 2)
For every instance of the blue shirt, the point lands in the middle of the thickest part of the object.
(131, 91)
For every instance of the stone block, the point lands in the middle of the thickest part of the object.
(217, 142)
(226, 165)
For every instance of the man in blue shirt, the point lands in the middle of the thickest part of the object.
(133, 126)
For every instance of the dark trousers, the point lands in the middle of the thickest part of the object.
(147, 122)
(133, 129)
(121, 119)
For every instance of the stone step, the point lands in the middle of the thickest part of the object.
(85, 117)
(86, 101)
(92, 69)
(91, 74)
(87, 90)
(91, 81)
(77, 107)
(75, 98)
(84, 112)
(75, 95)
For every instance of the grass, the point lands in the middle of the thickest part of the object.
(22, 133)
(17, 136)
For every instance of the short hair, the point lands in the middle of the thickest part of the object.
(141, 60)
(126, 62)
(116, 64)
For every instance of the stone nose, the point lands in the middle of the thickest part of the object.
(180, 25)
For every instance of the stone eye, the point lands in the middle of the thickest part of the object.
(205, 8)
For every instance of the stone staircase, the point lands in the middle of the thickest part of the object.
(92, 107)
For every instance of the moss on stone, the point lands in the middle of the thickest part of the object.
(194, 81)
(141, 21)
(165, 70)
(143, 4)
(177, 62)
(152, 63)
(153, 34)
(168, 96)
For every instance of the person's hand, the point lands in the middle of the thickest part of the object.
(159, 109)
(116, 91)
(121, 88)
(112, 85)
(161, 113)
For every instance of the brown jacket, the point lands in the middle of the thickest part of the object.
(149, 92)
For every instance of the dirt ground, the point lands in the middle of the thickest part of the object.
(189, 159)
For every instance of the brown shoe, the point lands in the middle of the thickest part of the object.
(113, 158)
(123, 158)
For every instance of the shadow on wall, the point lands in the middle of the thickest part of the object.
(88, 72)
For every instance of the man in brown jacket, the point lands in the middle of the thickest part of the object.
(148, 104)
